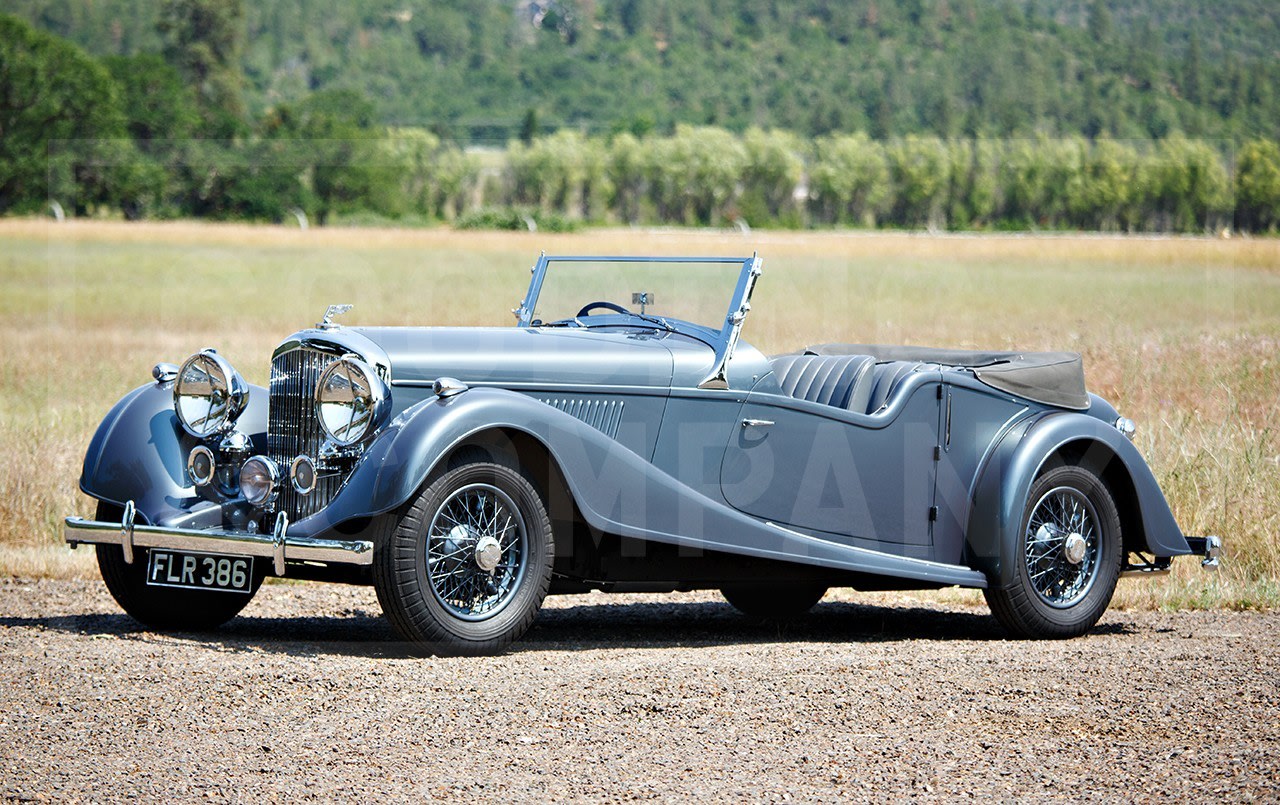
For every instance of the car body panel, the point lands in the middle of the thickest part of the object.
(139, 453)
(1005, 480)
(671, 434)
(617, 491)
(826, 469)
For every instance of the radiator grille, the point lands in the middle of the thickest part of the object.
(293, 430)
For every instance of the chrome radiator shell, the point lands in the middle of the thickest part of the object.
(294, 430)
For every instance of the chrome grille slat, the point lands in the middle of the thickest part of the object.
(293, 430)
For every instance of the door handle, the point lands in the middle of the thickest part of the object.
(756, 423)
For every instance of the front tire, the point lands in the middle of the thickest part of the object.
(163, 608)
(1067, 560)
(469, 564)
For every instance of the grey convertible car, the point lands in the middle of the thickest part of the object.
(620, 437)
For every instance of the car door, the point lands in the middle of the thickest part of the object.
(821, 468)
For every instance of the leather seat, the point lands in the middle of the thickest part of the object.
(843, 381)
(887, 378)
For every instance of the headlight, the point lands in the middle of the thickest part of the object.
(258, 478)
(352, 402)
(208, 394)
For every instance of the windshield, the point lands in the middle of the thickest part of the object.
(659, 292)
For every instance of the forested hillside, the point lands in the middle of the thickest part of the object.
(484, 70)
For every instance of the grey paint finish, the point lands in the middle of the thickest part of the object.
(978, 418)
(617, 491)
(736, 467)
(541, 357)
(821, 468)
(1005, 478)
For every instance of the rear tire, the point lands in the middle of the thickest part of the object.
(774, 600)
(469, 564)
(1070, 515)
(163, 608)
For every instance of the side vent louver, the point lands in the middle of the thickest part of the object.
(603, 415)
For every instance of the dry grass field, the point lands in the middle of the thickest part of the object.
(1181, 334)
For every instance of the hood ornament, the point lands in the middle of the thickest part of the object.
(327, 322)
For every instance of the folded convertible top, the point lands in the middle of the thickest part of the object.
(1052, 378)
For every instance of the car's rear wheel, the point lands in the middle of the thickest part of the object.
(164, 608)
(774, 600)
(1067, 559)
(469, 564)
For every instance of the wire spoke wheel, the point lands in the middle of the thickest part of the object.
(466, 565)
(1062, 545)
(1063, 564)
(476, 551)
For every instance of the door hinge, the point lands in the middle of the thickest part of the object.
(939, 391)
(933, 514)
(937, 452)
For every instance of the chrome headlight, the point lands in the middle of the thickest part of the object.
(352, 402)
(208, 395)
(258, 479)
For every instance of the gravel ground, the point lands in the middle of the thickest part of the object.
(306, 695)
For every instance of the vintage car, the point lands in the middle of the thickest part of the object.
(620, 437)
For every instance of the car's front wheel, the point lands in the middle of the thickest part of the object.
(1067, 559)
(469, 564)
(164, 608)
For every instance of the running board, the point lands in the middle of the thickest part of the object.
(866, 560)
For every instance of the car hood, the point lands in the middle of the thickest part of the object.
(503, 356)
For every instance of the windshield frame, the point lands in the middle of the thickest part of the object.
(722, 341)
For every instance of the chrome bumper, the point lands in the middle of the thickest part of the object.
(1209, 549)
(277, 546)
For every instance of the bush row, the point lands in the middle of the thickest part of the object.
(703, 176)
(709, 176)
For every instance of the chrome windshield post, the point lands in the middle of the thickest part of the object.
(718, 377)
(524, 313)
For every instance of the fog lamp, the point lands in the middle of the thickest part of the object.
(201, 465)
(258, 479)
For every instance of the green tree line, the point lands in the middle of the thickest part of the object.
(473, 70)
(168, 135)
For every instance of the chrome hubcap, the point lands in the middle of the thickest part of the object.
(1073, 548)
(476, 552)
(1062, 546)
(488, 553)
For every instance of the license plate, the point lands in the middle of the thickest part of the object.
(200, 571)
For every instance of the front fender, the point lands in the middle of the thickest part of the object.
(1004, 484)
(139, 453)
(405, 453)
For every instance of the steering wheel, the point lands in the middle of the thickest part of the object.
(587, 308)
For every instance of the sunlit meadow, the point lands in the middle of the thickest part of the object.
(1181, 334)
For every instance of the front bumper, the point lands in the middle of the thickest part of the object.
(277, 546)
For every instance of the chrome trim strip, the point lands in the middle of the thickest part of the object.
(350, 552)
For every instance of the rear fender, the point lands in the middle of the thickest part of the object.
(1004, 484)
